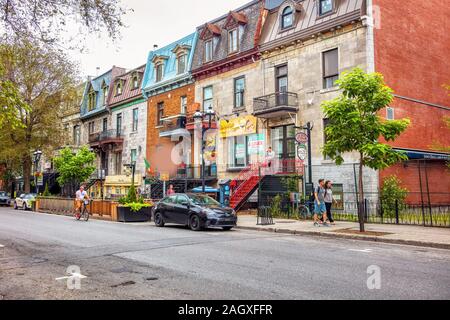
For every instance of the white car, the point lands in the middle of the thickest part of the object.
(24, 201)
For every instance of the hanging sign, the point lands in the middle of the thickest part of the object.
(301, 138)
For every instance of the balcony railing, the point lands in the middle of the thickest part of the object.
(195, 172)
(171, 124)
(106, 136)
(275, 104)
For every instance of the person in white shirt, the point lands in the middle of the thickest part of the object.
(270, 157)
(80, 197)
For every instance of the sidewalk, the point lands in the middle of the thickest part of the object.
(398, 234)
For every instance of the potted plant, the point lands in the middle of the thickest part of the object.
(133, 209)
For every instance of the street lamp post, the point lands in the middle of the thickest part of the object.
(36, 157)
(209, 115)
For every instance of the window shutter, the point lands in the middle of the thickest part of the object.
(331, 63)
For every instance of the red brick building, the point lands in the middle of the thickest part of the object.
(411, 46)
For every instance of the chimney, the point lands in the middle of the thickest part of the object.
(155, 46)
(98, 71)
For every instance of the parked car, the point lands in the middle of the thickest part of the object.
(195, 211)
(5, 200)
(24, 201)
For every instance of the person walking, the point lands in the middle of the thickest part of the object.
(329, 199)
(319, 205)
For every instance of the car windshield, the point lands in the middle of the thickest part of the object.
(201, 200)
(29, 196)
(3, 194)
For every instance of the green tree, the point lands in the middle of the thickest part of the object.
(74, 169)
(355, 125)
(392, 195)
(48, 21)
(46, 81)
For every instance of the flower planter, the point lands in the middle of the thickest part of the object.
(126, 215)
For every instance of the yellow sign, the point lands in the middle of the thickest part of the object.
(164, 176)
(238, 126)
(124, 181)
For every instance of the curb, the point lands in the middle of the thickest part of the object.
(351, 237)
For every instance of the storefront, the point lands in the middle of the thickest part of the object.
(118, 186)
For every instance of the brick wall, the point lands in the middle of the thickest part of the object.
(159, 150)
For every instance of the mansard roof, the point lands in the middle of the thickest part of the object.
(129, 93)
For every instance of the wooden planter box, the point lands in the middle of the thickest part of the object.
(126, 215)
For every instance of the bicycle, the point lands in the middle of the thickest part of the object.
(304, 210)
(84, 212)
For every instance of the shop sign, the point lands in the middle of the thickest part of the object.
(256, 144)
(238, 126)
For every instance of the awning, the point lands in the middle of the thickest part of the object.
(424, 155)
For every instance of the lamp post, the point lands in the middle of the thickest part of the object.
(200, 116)
(37, 158)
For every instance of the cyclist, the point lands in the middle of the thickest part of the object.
(81, 197)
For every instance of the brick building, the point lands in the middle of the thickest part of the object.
(411, 46)
(169, 89)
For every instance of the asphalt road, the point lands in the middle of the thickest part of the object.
(140, 261)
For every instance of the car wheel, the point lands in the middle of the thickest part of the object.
(194, 223)
(15, 206)
(159, 221)
(24, 206)
(227, 228)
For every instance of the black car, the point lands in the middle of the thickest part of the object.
(194, 210)
(5, 200)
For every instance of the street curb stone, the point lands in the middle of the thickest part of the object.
(351, 237)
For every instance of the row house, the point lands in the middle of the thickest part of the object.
(169, 89)
(128, 112)
(96, 124)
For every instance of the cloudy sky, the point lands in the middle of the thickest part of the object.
(152, 22)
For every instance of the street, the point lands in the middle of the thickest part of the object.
(140, 261)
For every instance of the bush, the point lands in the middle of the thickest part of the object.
(132, 201)
(392, 195)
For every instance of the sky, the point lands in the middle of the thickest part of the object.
(158, 22)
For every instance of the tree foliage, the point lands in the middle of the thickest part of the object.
(47, 21)
(356, 126)
(10, 102)
(45, 80)
(392, 195)
(74, 168)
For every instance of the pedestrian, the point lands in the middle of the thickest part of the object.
(171, 190)
(270, 157)
(319, 205)
(329, 199)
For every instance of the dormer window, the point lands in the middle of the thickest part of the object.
(105, 91)
(287, 18)
(181, 64)
(135, 82)
(325, 7)
(91, 100)
(208, 50)
(119, 88)
(159, 69)
(233, 41)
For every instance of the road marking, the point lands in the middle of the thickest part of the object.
(73, 275)
(363, 251)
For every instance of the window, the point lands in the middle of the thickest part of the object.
(239, 152)
(118, 164)
(325, 6)
(181, 64)
(330, 68)
(233, 39)
(76, 135)
(281, 83)
(91, 100)
(135, 119)
(239, 90)
(207, 98)
(135, 82)
(159, 72)
(119, 88)
(208, 50)
(160, 114)
(91, 127)
(390, 113)
(283, 142)
(105, 124)
(119, 124)
(183, 105)
(105, 94)
(133, 155)
(287, 18)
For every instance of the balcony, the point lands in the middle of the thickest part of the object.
(174, 127)
(100, 139)
(275, 105)
(191, 123)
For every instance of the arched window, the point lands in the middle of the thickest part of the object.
(287, 18)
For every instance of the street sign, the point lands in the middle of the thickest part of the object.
(302, 153)
(301, 138)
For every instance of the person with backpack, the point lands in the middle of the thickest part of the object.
(319, 205)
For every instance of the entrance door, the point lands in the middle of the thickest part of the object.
(283, 144)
